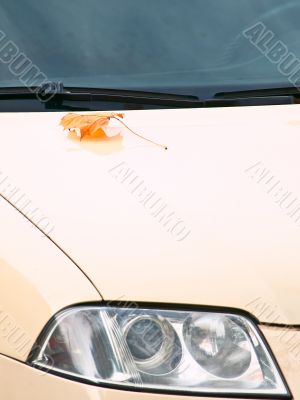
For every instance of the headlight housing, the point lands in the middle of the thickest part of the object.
(178, 351)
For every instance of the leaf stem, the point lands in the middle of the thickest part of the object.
(140, 136)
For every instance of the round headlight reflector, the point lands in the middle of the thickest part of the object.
(218, 344)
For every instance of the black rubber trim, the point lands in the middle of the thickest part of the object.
(292, 327)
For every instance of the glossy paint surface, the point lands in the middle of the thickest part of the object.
(212, 221)
(202, 223)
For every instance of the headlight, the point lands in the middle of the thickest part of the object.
(192, 352)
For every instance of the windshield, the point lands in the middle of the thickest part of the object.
(181, 46)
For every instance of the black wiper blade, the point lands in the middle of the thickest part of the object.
(57, 97)
(263, 92)
(57, 92)
(136, 94)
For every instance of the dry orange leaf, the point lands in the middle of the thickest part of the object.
(93, 124)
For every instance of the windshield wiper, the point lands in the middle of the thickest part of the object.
(58, 93)
(60, 98)
(229, 99)
(289, 91)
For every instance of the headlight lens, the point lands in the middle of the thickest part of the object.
(217, 341)
(194, 352)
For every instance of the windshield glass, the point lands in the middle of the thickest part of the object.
(181, 46)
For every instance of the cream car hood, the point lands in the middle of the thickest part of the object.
(218, 232)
